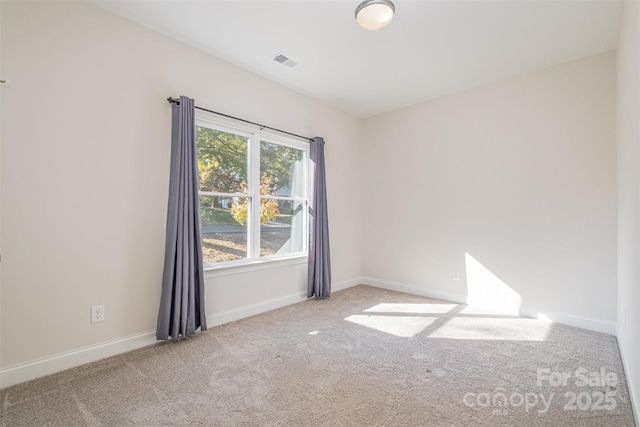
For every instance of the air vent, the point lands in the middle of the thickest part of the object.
(283, 59)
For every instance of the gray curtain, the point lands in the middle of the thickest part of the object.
(319, 283)
(182, 302)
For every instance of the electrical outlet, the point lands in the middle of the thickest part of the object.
(456, 275)
(97, 313)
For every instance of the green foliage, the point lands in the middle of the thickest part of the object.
(222, 160)
(216, 215)
(268, 207)
(222, 168)
(276, 161)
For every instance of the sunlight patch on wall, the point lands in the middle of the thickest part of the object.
(412, 308)
(400, 326)
(486, 290)
(474, 328)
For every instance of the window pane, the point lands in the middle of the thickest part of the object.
(282, 170)
(222, 161)
(224, 228)
(282, 228)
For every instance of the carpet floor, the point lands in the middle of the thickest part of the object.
(364, 357)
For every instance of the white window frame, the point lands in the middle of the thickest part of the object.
(254, 139)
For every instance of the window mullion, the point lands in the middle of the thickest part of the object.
(254, 191)
(222, 210)
(307, 195)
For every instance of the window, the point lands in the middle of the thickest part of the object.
(253, 195)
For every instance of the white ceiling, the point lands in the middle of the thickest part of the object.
(430, 49)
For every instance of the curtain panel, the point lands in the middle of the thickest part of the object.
(182, 303)
(319, 277)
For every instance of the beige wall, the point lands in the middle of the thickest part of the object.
(520, 175)
(629, 195)
(85, 162)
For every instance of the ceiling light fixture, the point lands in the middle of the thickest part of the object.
(374, 14)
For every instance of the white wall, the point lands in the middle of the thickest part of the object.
(521, 175)
(628, 55)
(85, 162)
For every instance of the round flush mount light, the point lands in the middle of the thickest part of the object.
(374, 14)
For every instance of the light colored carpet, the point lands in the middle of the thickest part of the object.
(364, 357)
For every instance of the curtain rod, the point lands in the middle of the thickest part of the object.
(177, 102)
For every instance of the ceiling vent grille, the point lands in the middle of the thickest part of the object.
(283, 59)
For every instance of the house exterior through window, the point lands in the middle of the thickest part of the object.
(253, 190)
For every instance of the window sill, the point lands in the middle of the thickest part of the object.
(253, 265)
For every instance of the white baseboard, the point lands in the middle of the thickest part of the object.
(633, 396)
(264, 306)
(253, 309)
(414, 290)
(59, 362)
(346, 284)
(48, 365)
(554, 316)
(22, 372)
(595, 325)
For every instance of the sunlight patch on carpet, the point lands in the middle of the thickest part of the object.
(411, 308)
(469, 328)
(400, 326)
